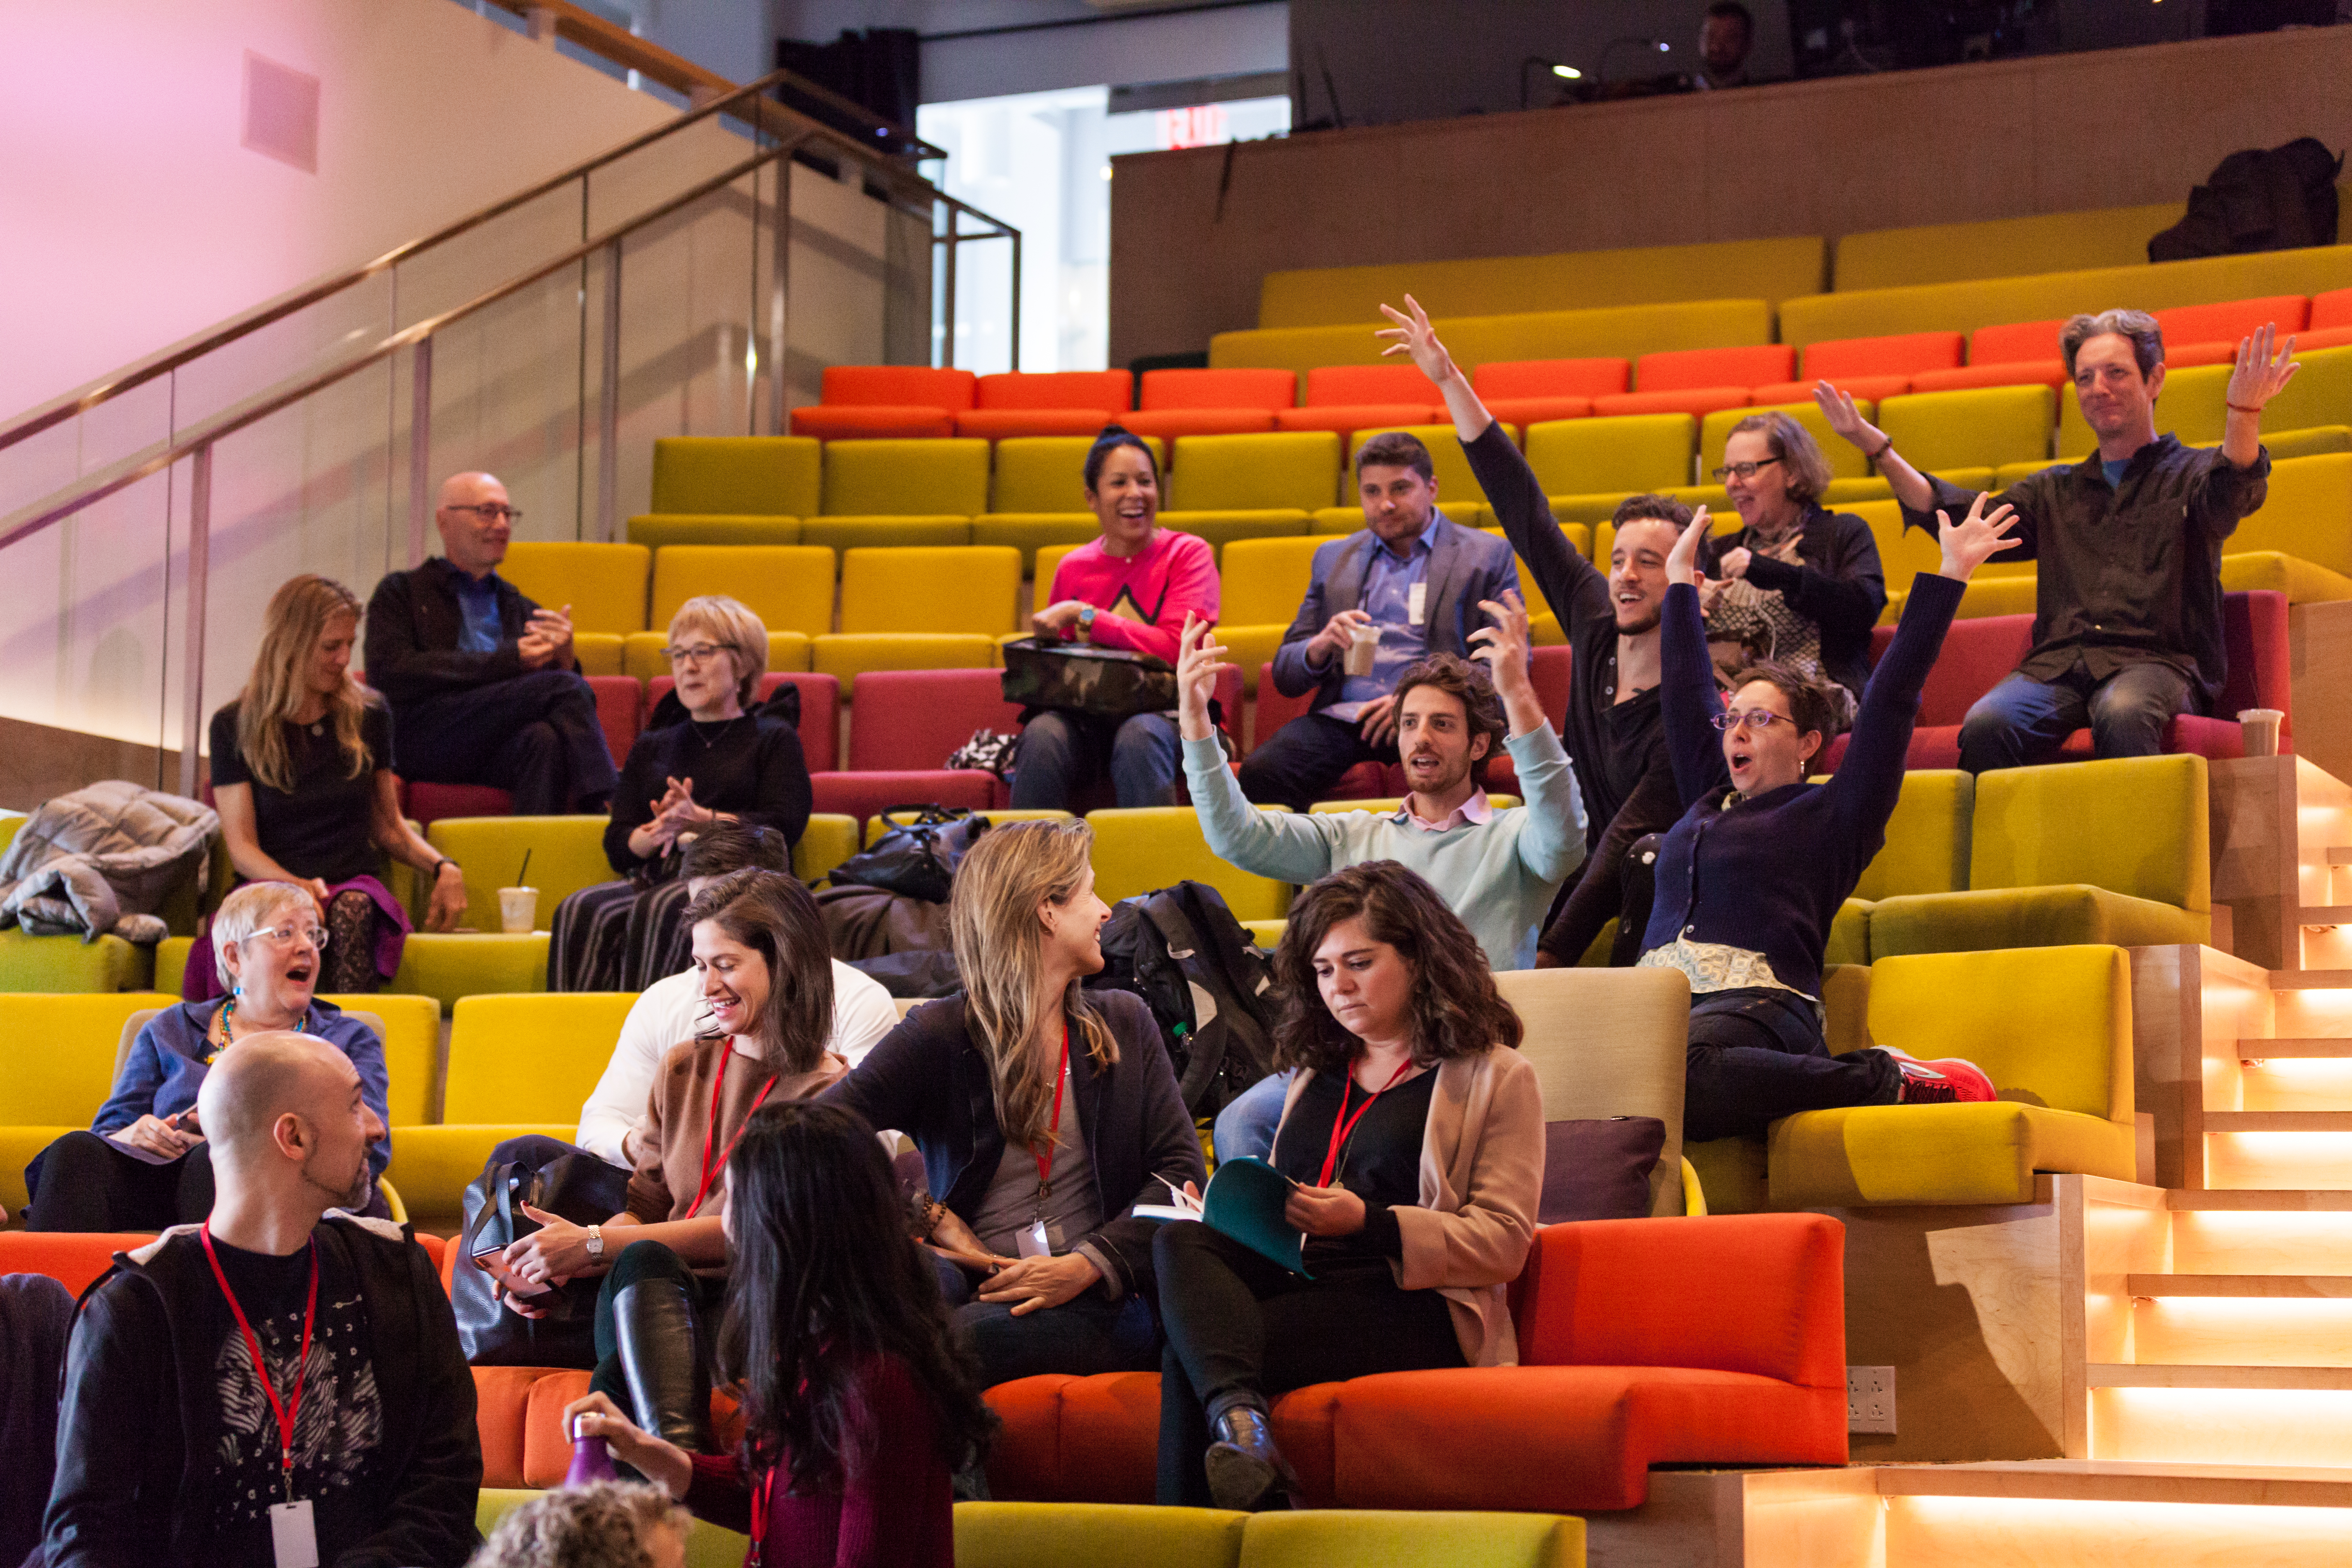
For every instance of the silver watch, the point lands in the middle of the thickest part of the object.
(596, 1242)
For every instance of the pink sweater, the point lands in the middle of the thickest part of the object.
(1141, 600)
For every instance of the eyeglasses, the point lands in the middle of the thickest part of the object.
(289, 933)
(490, 511)
(701, 653)
(1745, 470)
(1759, 719)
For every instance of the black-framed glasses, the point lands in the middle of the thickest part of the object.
(698, 653)
(490, 511)
(1758, 719)
(1745, 470)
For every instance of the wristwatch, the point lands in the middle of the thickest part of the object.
(1086, 624)
(596, 1242)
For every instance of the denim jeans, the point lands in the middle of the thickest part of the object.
(1246, 1124)
(1061, 753)
(2023, 720)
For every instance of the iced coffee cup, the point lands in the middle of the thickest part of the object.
(518, 909)
(1363, 650)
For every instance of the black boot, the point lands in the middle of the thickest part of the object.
(661, 1361)
(1245, 1470)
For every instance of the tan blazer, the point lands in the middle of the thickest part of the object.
(1482, 1161)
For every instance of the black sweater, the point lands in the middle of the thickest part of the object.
(1767, 874)
(147, 1366)
(928, 1078)
(1837, 583)
(413, 626)
(751, 768)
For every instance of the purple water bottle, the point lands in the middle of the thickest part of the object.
(591, 1461)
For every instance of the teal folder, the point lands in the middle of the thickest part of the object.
(1245, 1201)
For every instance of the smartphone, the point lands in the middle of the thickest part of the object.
(492, 1261)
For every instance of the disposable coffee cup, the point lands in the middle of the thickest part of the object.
(518, 909)
(1363, 650)
(2262, 727)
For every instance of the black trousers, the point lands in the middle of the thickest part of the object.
(639, 1261)
(1304, 757)
(1757, 1054)
(85, 1182)
(1239, 1325)
(536, 736)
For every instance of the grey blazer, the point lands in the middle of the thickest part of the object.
(1465, 566)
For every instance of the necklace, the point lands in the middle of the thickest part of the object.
(710, 740)
(227, 1019)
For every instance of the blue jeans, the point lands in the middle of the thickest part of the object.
(1063, 753)
(2023, 720)
(1246, 1124)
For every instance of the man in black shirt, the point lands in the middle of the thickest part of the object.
(482, 683)
(2128, 614)
(281, 1384)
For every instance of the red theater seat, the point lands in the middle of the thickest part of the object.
(1684, 369)
(820, 725)
(1169, 423)
(1906, 354)
(620, 709)
(2331, 309)
(1350, 416)
(1868, 388)
(2005, 373)
(74, 1261)
(1053, 402)
(1365, 780)
(428, 803)
(877, 402)
(1699, 401)
(1005, 424)
(1332, 385)
(866, 795)
(1552, 377)
(912, 720)
(2230, 321)
(2014, 341)
(1526, 411)
(1268, 389)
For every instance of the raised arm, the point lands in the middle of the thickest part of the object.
(1291, 847)
(1687, 699)
(1412, 335)
(2258, 376)
(1910, 486)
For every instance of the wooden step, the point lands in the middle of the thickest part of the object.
(2118, 1481)
(2311, 979)
(2339, 855)
(2327, 914)
(2300, 1046)
(2225, 1285)
(2117, 1374)
(2272, 1200)
(2278, 1121)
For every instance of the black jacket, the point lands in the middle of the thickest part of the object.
(128, 1495)
(413, 627)
(1838, 584)
(928, 1080)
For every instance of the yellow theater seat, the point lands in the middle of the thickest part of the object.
(657, 531)
(1612, 332)
(63, 963)
(827, 840)
(2320, 393)
(1047, 473)
(1348, 516)
(2050, 1025)
(788, 586)
(2307, 513)
(904, 478)
(847, 655)
(1049, 560)
(1085, 1535)
(1149, 847)
(603, 584)
(1262, 580)
(566, 854)
(1926, 851)
(1222, 528)
(1031, 532)
(2110, 851)
(1956, 252)
(1288, 468)
(1846, 459)
(1625, 454)
(1252, 648)
(61, 1056)
(2299, 580)
(743, 476)
(2190, 405)
(2310, 442)
(974, 588)
(914, 531)
(1981, 427)
(447, 965)
(1578, 534)
(412, 1051)
(646, 656)
(601, 653)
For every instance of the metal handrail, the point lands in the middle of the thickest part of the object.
(801, 127)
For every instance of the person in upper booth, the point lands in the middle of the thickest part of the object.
(1130, 588)
(483, 685)
(2127, 595)
(1414, 580)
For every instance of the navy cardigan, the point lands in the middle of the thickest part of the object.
(1768, 873)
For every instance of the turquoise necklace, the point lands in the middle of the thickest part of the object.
(229, 1027)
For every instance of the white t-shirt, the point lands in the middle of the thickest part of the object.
(667, 1012)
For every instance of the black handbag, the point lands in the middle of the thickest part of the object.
(576, 1187)
(1108, 682)
(916, 860)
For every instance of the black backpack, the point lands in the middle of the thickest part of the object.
(1181, 951)
(2283, 199)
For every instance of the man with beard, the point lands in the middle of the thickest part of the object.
(1611, 621)
(280, 1386)
(1497, 869)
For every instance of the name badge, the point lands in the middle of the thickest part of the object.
(1415, 603)
(1033, 1241)
(293, 1540)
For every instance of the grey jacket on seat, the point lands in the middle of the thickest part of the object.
(102, 860)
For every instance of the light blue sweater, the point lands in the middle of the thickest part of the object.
(1499, 875)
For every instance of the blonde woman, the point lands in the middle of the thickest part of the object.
(302, 777)
(712, 752)
(1045, 1113)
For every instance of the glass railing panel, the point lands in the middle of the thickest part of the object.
(507, 400)
(85, 639)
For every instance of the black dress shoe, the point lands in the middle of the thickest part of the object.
(1245, 1468)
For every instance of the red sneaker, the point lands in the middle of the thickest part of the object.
(1945, 1081)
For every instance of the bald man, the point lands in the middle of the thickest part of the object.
(483, 685)
(171, 1449)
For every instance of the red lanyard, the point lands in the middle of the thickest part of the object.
(1343, 1124)
(710, 1132)
(292, 1406)
(1054, 1132)
(761, 1491)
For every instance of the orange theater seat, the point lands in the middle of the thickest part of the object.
(1268, 389)
(2016, 340)
(1332, 386)
(1868, 388)
(1007, 424)
(2331, 311)
(1053, 403)
(74, 1261)
(1550, 378)
(1685, 369)
(2228, 322)
(2180, 355)
(1526, 411)
(1699, 401)
(880, 402)
(2323, 338)
(1906, 354)
(2005, 373)
(1169, 424)
(1345, 417)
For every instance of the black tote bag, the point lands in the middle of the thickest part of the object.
(576, 1187)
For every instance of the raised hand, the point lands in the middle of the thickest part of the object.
(1503, 645)
(1976, 538)
(1413, 335)
(2259, 375)
(1681, 561)
(1197, 667)
(1838, 408)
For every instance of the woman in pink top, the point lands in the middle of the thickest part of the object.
(1131, 588)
